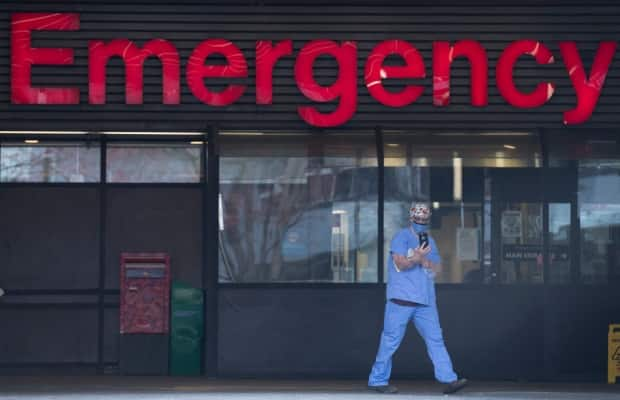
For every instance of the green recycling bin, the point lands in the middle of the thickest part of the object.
(186, 330)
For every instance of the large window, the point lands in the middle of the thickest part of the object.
(298, 208)
(302, 206)
(593, 160)
(452, 172)
(599, 215)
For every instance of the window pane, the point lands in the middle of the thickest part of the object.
(49, 162)
(560, 243)
(452, 171)
(599, 214)
(299, 208)
(458, 234)
(485, 149)
(521, 243)
(144, 163)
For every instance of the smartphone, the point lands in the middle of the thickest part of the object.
(423, 239)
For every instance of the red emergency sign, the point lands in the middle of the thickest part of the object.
(344, 91)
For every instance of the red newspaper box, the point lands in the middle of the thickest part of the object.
(145, 293)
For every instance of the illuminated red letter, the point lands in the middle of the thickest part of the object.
(443, 55)
(344, 88)
(588, 91)
(23, 57)
(99, 53)
(504, 74)
(266, 58)
(196, 72)
(375, 72)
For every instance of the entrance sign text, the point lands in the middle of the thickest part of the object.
(587, 86)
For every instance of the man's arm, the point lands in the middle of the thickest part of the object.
(405, 263)
(402, 263)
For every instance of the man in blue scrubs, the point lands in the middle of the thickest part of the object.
(412, 267)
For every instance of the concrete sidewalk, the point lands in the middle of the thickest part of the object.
(156, 388)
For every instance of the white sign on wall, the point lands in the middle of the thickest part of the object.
(511, 224)
(467, 244)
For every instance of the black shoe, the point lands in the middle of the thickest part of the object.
(385, 389)
(455, 386)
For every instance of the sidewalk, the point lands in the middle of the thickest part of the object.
(156, 388)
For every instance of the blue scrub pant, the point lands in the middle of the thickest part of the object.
(426, 321)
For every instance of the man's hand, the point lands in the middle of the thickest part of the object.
(418, 256)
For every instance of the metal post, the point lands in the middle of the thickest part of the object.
(211, 241)
(380, 200)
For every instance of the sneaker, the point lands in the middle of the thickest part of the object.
(455, 386)
(385, 389)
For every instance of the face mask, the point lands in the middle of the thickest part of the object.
(418, 228)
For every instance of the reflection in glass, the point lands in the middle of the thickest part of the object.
(144, 163)
(48, 162)
(559, 241)
(599, 215)
(451, 170)
(298, 209)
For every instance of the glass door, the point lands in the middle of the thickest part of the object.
(533, 217)
(521, 244)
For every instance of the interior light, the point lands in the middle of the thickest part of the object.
(483, 134)
(392, 144)
(220, 211)
(435, 205)
(196, 142)
(250, 133)
(153, 133)
(510, 147)
(500, 162)
(31, 141)
(506, 134)
(43, 132)
(421, 162)
(457, 189)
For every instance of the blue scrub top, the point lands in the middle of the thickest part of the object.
(416, 284)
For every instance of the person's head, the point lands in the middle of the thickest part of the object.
(420, 213)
